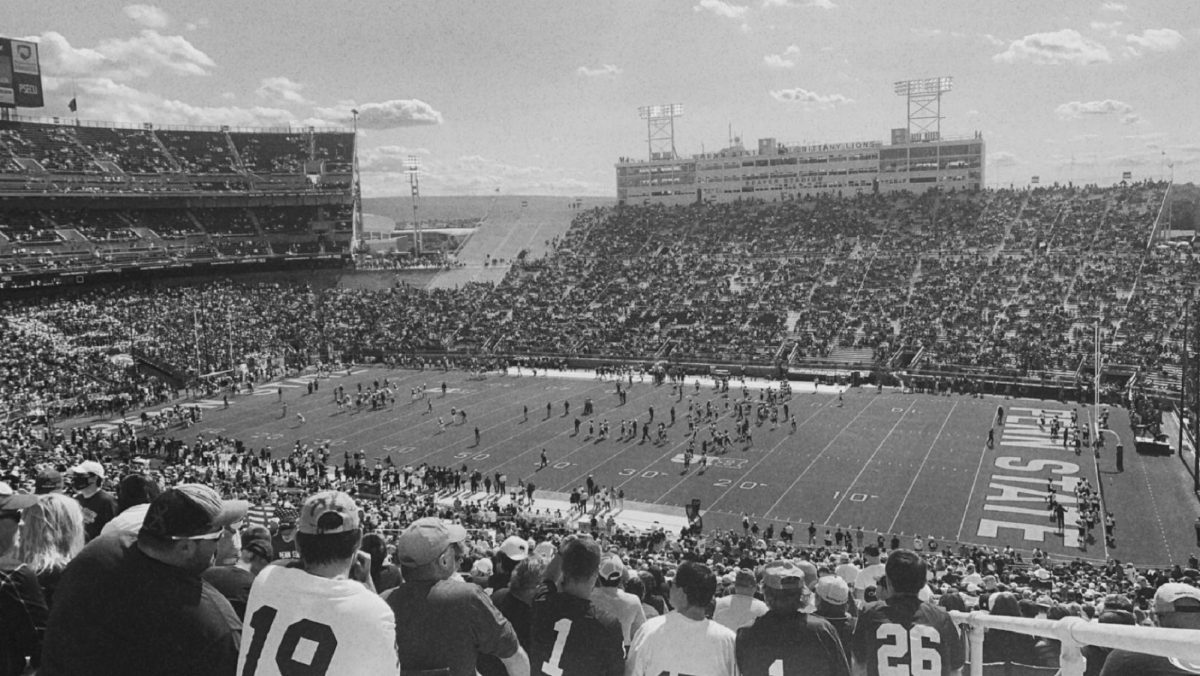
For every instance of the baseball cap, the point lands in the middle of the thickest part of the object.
(611, 567)
(190, 510)
(783, 575)
(48, 480)
(482, 568)
(833, 590)
(810, 572)
(544, 549)
(425, 539)
(329, 512)
(745, 578)
(1168, 596)
(515, 548)
(89, 467)
(11, 501)
(258, 541)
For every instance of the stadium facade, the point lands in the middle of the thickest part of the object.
(777, 171)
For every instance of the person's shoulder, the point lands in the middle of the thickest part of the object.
(719, 632)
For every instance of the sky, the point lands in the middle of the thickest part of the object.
(542, 97)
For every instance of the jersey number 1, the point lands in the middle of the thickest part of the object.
(561, 629)
(320, 634)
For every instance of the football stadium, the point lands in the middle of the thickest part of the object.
(820, 406)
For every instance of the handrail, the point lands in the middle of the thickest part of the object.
(1074, 633)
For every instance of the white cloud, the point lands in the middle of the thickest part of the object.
(281, 88)
(1002, 158)
(1075, 110)
(480, 175)
(721, 8)
(606, 70)
(783, 60)
(388, 157)
(1114, 7)
(820, 4)
(1064, 46)
(147, 15)
(107, 99)
(146, 54)
(1154, 40)
(383, 115)
(809, 98)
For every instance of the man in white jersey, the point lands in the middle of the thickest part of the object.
(312, 618)
(684, 641)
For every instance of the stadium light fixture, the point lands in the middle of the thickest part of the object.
(924, 105)
(660, 129)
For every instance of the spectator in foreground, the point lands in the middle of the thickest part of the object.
(591, 638)
(441, 621)
(22, 606)
(1176, 606)
(799, 642)
(611, 597)
(99, 506)
(1006, 646)
(51, 535)
(740, 608)
(351, 629)
(235, 579)
(119, 591)
(684, 640)
(515, 602)
(833, 598)
(134, 495)
(902, 618)
(384, 574)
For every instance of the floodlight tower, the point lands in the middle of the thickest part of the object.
(660, 129)
(925, 104)
(412, 167)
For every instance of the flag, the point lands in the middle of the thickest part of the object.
(71, 105)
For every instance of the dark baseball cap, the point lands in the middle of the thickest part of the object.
(11, 501)
(49, 480)
(191, 510)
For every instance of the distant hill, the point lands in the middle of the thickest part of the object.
(399, 209)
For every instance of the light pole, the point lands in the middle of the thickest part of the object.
(356, 234)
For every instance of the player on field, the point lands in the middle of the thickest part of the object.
(786, 640)
(569, 634)
(684, 641)
(903, 634)
(315, 607)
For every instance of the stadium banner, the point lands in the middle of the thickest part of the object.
(20, 75)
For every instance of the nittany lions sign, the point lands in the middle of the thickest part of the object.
(20, 74)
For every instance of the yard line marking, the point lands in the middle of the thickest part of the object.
(971, 495)
(762, 459)
(867, 464)
(788, 490)
(916, 476)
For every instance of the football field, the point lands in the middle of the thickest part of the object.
(890, 462)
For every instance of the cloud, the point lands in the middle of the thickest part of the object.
(1002, 158)
(383, 115)
(1114, 7)
(390, 158)
(281, 88)
(480, 175)
(1075, 110)
(782, 60)
(1064, 46)
(148, 53)
(820, 4)
(1153, 40)
(147, 15)
(606, 70)
(107, 99)
(721, 9)
(808, 98)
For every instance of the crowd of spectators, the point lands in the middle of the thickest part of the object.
(504, 546)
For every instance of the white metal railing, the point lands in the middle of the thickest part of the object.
(1074, 633)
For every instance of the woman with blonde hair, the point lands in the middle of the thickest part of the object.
(51, 535)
